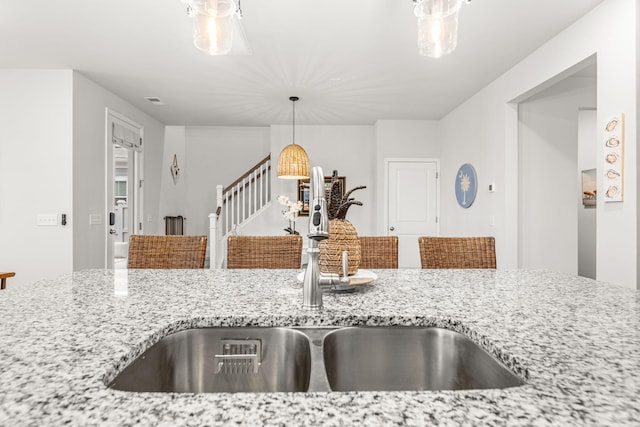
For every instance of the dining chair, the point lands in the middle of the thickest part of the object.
(151, 251)
(378, 251)
(264, 251)
(457, 252)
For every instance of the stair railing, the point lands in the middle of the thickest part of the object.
(236, 205)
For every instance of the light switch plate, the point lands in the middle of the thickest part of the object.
(47, 219)
(95, 219)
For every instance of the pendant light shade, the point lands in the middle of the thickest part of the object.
(213, 26)
(437, 26)
(293, 162)
(216, 27)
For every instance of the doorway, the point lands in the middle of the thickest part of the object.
(124, 187)
(554, 148)
(412, 203)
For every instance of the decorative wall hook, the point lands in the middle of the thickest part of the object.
(175, 169)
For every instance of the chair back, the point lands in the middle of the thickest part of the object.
(378, 251)
(150, 251)
(457, 252)
(264, 251)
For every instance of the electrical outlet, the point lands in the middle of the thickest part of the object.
(47, 220)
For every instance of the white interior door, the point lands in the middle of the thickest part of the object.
(412, 208)
(124, 213)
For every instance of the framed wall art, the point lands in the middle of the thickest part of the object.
(613, 162)
(589, 187)
(466, 185)
(303, 191)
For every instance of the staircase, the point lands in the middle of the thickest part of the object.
(237, 205)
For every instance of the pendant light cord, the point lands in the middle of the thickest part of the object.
(293, 99)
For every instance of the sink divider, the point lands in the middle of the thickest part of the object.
(318, 381)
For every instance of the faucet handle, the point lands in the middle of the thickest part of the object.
(332, 280)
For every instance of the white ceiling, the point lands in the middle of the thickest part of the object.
(350, 61)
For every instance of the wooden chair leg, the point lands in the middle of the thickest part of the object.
(3, 279)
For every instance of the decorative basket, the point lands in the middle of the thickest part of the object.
(342, 237)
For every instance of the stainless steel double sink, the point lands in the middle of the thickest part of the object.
(288, 359)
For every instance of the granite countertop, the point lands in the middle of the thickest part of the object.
(575, 341)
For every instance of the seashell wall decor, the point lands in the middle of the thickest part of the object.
(613, 165)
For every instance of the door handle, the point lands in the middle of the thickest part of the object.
(113, 231)
(392, 228)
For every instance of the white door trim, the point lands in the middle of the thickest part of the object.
(137, 208)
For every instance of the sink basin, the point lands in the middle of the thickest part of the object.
(315, 359)
(222, 360)
(409, 358)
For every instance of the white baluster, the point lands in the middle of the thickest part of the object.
(244, 201)
(253, 191)
(213, 240)
(260, 186)
(268, 193)
(229, 212)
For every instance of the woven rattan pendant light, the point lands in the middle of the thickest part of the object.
(293, 162)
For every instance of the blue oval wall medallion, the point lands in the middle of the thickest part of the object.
(466, 185)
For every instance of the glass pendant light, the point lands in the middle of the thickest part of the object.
(216, 27)
(293, 162)
(437, 26)
(213, 26)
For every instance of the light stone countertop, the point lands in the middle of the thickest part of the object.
(575, 341)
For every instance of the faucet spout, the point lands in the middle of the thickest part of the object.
(318, 231)
(314, 280)
(311, 288)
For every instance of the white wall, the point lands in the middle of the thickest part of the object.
(617, 236)
(36, 173)
(401, 139)
(637, 93)
(173, 200)
(90, 102)
(215, 155)
(474, 133)
(483, 131)
(52, 161)
(549, 185)
(587, 215)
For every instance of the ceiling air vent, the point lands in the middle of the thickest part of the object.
(154, 100)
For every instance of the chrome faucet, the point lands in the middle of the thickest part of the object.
(315, 281)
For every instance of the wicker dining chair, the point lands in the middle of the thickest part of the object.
(457, 252)
(151, 251)
(378, 251)
(264, 251)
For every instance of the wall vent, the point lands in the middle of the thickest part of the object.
(154, 100)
